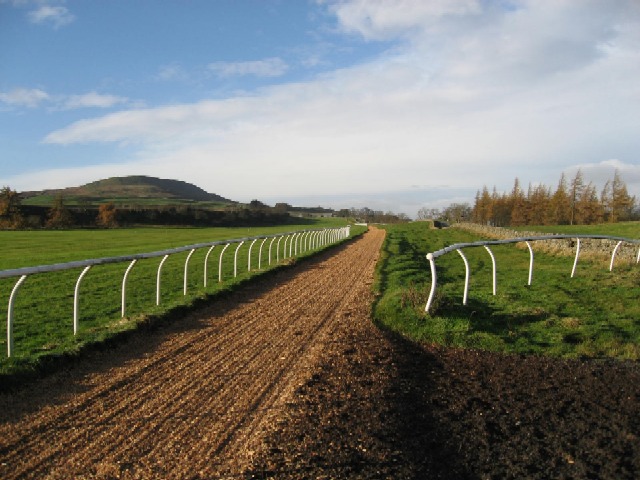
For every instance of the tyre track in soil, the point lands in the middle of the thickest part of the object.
(187, 401)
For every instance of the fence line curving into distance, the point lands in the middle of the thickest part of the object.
(431, 257)
(321, 238)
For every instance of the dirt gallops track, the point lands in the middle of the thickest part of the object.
(187, 401)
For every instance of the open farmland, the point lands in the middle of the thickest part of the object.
(290, 379)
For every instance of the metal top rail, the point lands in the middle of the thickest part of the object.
(482, 243)
(16, 272)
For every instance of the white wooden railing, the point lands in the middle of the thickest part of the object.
(486, 243)
(298, 243)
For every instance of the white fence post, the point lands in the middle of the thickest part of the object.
(494, 276)
(434, 280)
(158, 277)
(284, 250)
(12, 298)
(270, 245)
(186, 271)
(250, 248)
(466, 276)
(124, 287)
(278, 250)
(307, 238)
(575, 261)
(206, 261)
(235, 260)
(220, 262)
(613, 255)
(260, 254)
(76, 299)
(530, 262)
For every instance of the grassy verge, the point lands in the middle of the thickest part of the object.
(595, 314)
(620, 229)
(43, 325)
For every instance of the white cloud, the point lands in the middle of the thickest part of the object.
(601, 172)
(172, 72)
(475, 95)
(269, 67)
(24, 97)
(383, 19)
(56, 15)
(92, 100)
(35, 97)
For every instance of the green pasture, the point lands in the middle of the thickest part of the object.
(28, 248)
(620, 229)
(595, 314)
(43, 311)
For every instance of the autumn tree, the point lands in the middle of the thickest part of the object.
(10, 214)
(59, 215)
(621, 202)
(501, 210)
(107, 215)
(588, 208)
(518, 205)
(539, 199)
(576, 191)
(483, 208)
(560, 204)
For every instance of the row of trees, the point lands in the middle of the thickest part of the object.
(367, 215)
(572, 203)
(13, 215)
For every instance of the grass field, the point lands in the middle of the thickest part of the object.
(44, 247)
(595, 314)
(43, 324)
(621, 229)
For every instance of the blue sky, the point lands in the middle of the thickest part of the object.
(394, 105)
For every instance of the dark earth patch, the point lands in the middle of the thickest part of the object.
(383, 407)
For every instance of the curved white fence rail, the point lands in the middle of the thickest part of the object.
(486, 243)
(321, 238)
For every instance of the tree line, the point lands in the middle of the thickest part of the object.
(573, 202)
(368, 215)
(14, 215)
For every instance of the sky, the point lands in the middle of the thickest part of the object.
(390, 104)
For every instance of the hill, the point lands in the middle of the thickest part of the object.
(133, 189)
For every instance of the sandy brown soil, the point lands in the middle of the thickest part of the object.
(290, 379)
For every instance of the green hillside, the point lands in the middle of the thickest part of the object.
(132, 189)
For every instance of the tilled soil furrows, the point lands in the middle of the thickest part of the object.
(185, 402)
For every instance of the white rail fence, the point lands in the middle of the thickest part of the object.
(486, 243)
(297, 242)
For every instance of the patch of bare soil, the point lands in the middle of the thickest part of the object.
(380, 407)
(290, 379)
